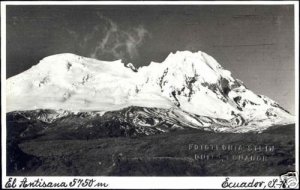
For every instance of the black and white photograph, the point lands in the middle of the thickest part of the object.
(149, 90)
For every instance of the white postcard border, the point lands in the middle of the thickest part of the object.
(145, 182)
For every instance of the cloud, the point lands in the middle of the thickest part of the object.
(109, 40)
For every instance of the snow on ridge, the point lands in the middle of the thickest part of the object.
(192, 82)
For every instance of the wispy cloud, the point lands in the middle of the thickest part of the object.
(109, 39)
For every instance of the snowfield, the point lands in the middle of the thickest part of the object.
(186, 82)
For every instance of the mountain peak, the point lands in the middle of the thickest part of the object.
(188, 57)
(185, 64)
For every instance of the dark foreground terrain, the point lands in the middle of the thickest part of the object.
(176, 153)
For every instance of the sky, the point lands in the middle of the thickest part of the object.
(256, 43)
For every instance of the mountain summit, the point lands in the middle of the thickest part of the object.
(190, 84)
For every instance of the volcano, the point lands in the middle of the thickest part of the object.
(185, 90)
(71, 115)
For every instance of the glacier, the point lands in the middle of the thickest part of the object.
(190, 84)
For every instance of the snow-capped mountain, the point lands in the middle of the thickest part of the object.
(190, 84)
